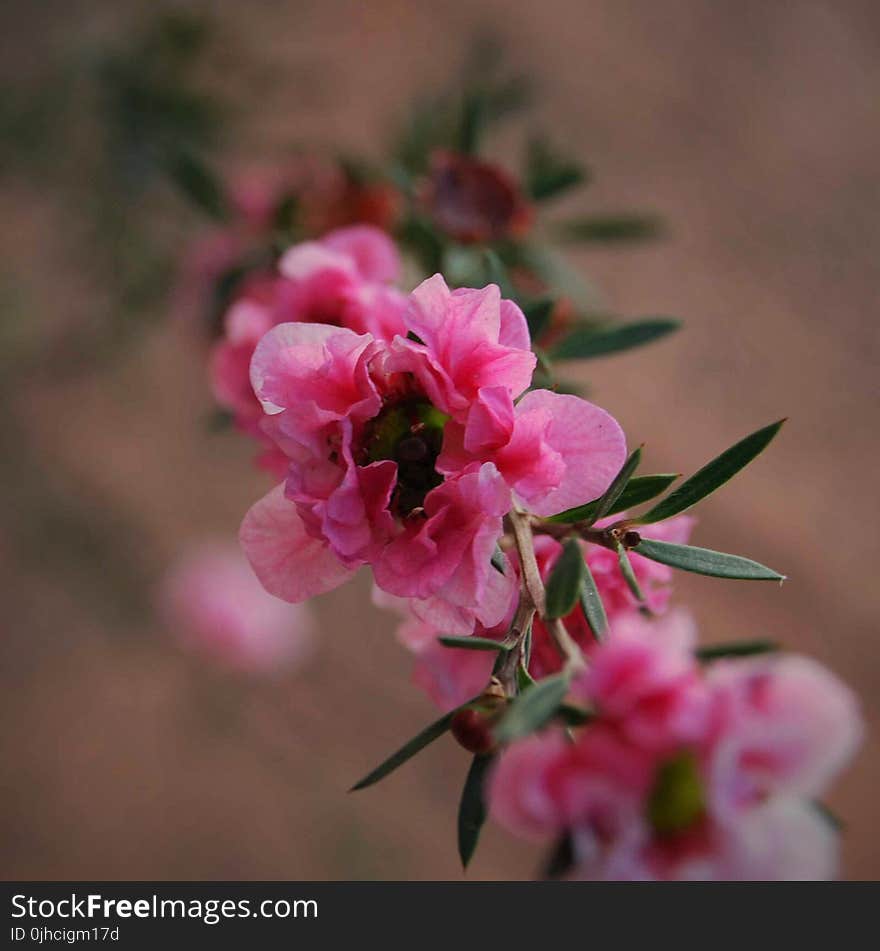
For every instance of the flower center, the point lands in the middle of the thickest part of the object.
(677, 800)
(410, 432)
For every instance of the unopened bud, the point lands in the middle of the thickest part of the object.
(472, 726)
(473, 730)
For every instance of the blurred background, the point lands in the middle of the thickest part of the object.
(751, 128)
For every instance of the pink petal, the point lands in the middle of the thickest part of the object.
(588, 440)
(373, 253)
(290, 563)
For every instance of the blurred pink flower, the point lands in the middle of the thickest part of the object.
(343, 280)
(684, 774)
(784, 724)
(218, 610)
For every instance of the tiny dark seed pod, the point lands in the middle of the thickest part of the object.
(631, 539)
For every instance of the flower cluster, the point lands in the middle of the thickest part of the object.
(407, 454)
(427, 436)
(681, 773)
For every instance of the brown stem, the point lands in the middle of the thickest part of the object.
(532, 583)
(525, 612)
(610, 537)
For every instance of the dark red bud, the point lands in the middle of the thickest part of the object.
(473, 730)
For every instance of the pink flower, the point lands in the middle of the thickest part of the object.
(365, 422)
(522, 796)
(645, 682)
(785, 725)
(230, 360)
(339, 417)
(686, 775)
(783, 840)
(219, 610)
(341, 280)
(553, 450)
(344, 279)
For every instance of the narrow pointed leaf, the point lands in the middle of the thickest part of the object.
(736, 649)
(591, 604)
(473, 120)
(549, 174)
(629, 576)
(564, 583)
(533, 708)
(472, 643)
(609, 228)
(537, 314)
(472, 808)
(407, 751)
(193, 177)
(585, 343)
(639, 489)
(496, 273)
(704, 561)
(524, 679)
(606, 501)
(713, 475)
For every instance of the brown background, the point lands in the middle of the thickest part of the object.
(752, 126)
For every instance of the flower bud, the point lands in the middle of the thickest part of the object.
(472, 725)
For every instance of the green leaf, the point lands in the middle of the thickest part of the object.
(496, 273)
(408, 750)
(473, 121)
(639, 489)
(537, 314)
(193, 177)
(703, 561)
(549, 174)
(736, 649)
(712, 476)
(533, 708)
(591, 604)
(472, 809)
(524, 679)
(472, 643)
(609, 228)
(586, 343)
(564, 583)
(605, 502)
(629, 576)
(556, 271)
